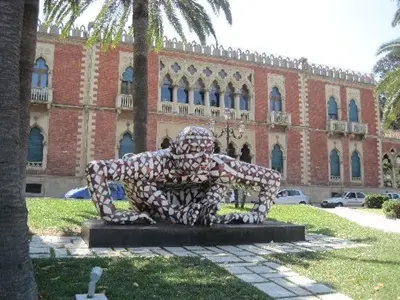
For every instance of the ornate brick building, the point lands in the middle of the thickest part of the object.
(319, 126)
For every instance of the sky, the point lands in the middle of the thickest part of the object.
(339, 33)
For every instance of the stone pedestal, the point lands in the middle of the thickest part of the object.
(164, 234)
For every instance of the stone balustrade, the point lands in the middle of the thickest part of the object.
(279, 118)
(34, 164)
(124, 102)
(337, 126)
(358, 128)
(42, 95)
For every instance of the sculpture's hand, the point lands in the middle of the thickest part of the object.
(245, 218)
(128, 217)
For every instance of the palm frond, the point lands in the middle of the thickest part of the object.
(393, 45)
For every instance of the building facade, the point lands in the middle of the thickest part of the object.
(318, 126)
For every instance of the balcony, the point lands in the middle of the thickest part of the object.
(42, 96)
(124, 102)
(358, 128)
(337, 126)
(280, 118)
(34, 165)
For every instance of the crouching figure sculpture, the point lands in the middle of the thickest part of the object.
(183, 184)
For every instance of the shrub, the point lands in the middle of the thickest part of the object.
(391, 209)
(375, 200)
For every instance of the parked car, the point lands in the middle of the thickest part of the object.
(291, 196)
(393, 196)
(117, 192)
(349, 198)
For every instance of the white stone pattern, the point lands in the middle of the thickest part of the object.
(249, 263)
(184, 183)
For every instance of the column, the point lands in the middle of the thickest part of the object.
(191, 100)
(222, 102)
(207, 103)
(237, 105)
(175, 107)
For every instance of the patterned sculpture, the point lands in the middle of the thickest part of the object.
(183, 184)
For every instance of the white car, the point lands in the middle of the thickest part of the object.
(393, 196)
(345, 199)
(291, 196)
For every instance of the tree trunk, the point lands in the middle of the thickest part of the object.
(140, 83)
(16, 276)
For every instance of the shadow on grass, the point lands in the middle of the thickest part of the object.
(141, 278)
(305, 259)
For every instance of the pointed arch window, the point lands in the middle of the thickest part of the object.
(355, 165)
(183, 91)
(199, 92)
(353, 111)
(245, 156)
(231, 150)
(215, 95)
(165, 143)
(40, 74)
(335, 163)
(125, 144)
(127, 81)
(229, 96)
(35, 146)
(245, 98)
(275, 100)
(167, 89)
(277, 159)
(332, 109)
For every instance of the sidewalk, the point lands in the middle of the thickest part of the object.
(367, 219)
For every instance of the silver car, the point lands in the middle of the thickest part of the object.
(291, 196)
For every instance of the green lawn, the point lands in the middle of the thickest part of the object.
(141, 278)
(363, 273)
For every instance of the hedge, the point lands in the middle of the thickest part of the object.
(375, 200)
(391, 209)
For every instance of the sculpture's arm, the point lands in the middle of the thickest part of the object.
(97, 174)
(227, 170)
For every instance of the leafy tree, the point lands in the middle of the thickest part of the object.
(18, 23)
(148, 29)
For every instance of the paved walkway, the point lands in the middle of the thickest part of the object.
(243, 261)
(367, 219)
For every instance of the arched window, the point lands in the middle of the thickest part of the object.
(332, 109)
(183, 91)
(40, 74)
(353, 111)
(277, 159)
(244, 98)
(35, 146)
(245, 156)
(125, 144)
(231, 150)
(199, 93)
(127, 81)
(165, 143)
(166, 89)
(275, 100)
(229, 96)
(217, 148)
(214, 95)
(355, 165)
(335, 163)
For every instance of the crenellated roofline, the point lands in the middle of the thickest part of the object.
(301, 64)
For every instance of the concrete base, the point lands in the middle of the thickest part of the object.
(95, 297)
(164, 234)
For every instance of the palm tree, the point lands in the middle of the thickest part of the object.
(148, 29)
(18, 23)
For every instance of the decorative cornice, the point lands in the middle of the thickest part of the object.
(81, 32)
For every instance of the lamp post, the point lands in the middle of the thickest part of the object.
(228, 130)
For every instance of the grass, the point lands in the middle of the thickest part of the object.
(362, 273)
(141, 278)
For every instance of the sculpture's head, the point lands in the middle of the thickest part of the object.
(192, 149)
